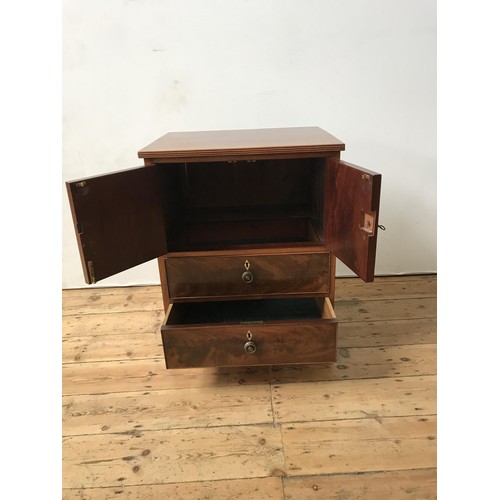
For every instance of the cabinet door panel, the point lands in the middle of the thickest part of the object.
(352, 214)
(120, 220)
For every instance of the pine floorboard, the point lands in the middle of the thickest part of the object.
(363, 427)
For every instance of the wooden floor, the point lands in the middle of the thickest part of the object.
(364, 427)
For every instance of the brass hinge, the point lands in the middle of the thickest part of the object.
(80, 184)
(90, 267)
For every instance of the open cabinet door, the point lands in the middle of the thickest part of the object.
(120, 220)
(354, 197)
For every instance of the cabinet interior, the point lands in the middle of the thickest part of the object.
(218, 205)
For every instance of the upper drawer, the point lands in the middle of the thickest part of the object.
(242, 276)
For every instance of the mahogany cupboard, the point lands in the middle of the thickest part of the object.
(246, 226)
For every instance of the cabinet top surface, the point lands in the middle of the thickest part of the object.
(234, 143)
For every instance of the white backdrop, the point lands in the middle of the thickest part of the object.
(363, 70)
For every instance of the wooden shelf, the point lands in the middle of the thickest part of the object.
(214, 234)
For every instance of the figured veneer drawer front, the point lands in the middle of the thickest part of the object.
(228, 333)
(242, 276)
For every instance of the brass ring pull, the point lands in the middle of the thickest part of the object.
(247, 277)
(250, 347)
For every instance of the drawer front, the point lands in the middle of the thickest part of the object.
(223, 345)
(240, 276)
(297, 337)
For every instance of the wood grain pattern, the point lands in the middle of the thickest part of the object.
(224, 205)
(387, 288)
(418, 484)
(118, 323)
(345, 399)
(232, 144)
(240, 404)
(229, 326)
(352, 191)
(163, 280)
(360, 445)
(72, 295)
(113, 346)
(82, 349)
(222, 235)
(118, 408)
(222, 276)
(255, 250)
(389, 332)
(167, 161)
(365, 362)
(385, 309)
(255, 190)
(100, 300)
(119, 219)
(357, 311)
(148, 457)
(96, 302)
(265, 201)
(266, 488)
(150, 375)
(222, 345)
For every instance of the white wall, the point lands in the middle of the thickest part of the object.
(363, 70)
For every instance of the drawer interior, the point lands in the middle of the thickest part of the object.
(249, 311)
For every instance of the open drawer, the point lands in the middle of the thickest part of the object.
(249, 332)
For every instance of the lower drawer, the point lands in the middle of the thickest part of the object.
(250, 332)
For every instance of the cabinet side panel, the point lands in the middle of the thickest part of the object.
(333, 269)
(164, 282)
